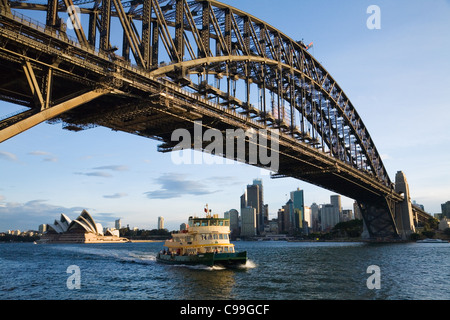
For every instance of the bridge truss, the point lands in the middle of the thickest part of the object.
(149, 67)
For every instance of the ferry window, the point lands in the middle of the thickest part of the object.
(225, 249)
(220, 223)
(220, 236)
(225, 236)
(227, 223)
(215, 236)
(209, 237)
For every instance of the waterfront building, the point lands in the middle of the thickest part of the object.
(336, 203)
(347, 215)
(81, 230)
(254, 201)
(262, 212)
(315, 218)
(160, 223)
(248, 222)
(444, 224)
(446, 209)
(42, 228)
(286, 218)
(184, 227)
(233, 216)
(281, 221)
(307, 220)
(329, 217)
(118, 224)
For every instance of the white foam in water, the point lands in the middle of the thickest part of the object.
(249, 265)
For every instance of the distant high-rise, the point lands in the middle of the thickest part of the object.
(248, 222)
(336, 203)
(315, 221)
(118, 224)
(244, 200)
(329, 217)
(298, 213)
(446, 209)
(160, 223)
(233, 215)
(255, 199)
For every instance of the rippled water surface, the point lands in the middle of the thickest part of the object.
(276, 271)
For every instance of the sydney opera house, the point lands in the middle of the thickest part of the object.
(81, 230)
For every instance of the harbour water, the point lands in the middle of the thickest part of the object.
(276, 271)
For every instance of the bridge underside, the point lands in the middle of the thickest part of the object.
(322, 141)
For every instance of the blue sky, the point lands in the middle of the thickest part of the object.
(396, 77)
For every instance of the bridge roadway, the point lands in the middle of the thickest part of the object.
(58, 78)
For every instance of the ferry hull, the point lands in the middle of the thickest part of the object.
(208, 259)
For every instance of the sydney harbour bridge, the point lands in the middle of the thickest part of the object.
(150, 67)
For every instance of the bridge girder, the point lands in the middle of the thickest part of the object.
(236, 58)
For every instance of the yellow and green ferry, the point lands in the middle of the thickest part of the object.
(205, 242)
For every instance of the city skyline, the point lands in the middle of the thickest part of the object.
(47, 171)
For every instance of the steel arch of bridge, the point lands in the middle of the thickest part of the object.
(240, 63)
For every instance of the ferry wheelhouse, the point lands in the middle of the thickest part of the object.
(206, 242)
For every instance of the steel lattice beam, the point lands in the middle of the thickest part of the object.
(222, 56)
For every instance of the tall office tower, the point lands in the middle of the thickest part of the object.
(233, 215)
(266, 214)
(160, 223)
(445, 208)
(244, 200)
(315, 220)
(248, 222)
(307, 221)
(280, 220)
(336, 203)
(118, 224)
(297, 198)
(329, 217)
(262, 212)
(253, 201)
(289, 217)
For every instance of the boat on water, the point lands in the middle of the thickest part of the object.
(205, 242)
(432, 241)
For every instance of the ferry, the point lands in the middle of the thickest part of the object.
(205, 242)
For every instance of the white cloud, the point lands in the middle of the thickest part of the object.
(116, 196)
(8, 156)
(94, 174)
(113, 168)
(175, 186)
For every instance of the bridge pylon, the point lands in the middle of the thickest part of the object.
(388, 218)
(404, 217)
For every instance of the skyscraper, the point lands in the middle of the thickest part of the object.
(336, 203)
(248, 221)
(446, 209)
(262, 213)
(160, 223)
(298, 213)
(255, 199)
(329, 217)
(315, 210)
(118, 224)
(233, 215)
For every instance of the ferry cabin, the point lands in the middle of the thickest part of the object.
(204, 235)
